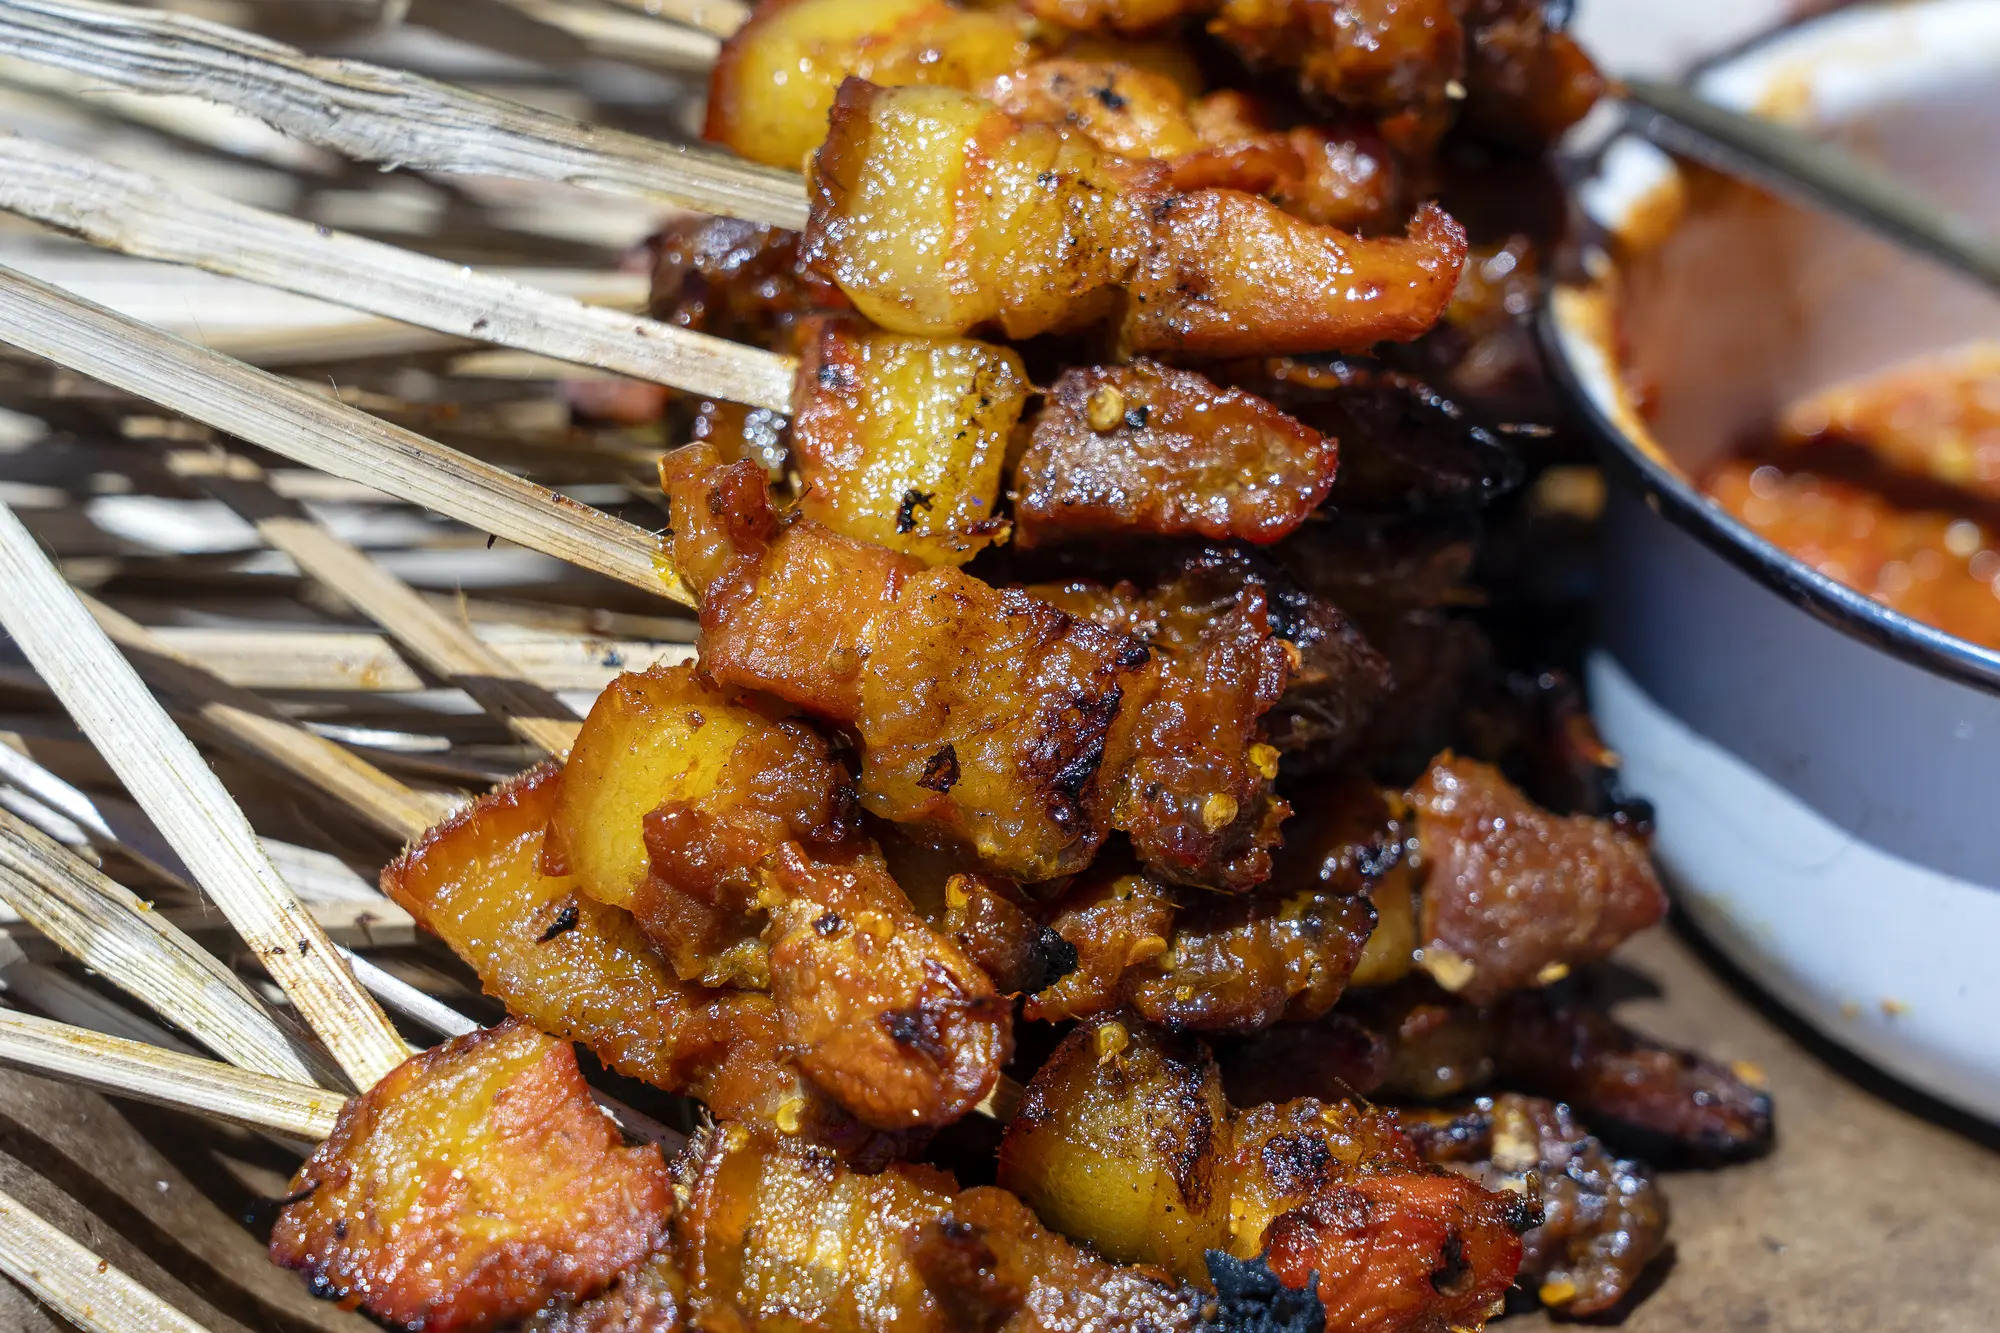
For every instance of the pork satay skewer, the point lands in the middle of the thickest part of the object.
(171, 781)
(373, 114)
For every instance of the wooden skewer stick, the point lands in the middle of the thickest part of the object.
(71, 1280)
(287, 420)
(253, 726)
(721, 17)
(379, 115)
(108, 929)
(165, 1078)
(447, 648)
(175, 786)
(158, 219)
(633, 37)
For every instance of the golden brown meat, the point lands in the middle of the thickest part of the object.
(1515, 896)
(938, 214)
(474, 1184)
(1341, 176)
(753, 872)
(1119, 16)
(1147, 450)
(1603, 1219)
(990, 918)
(737, 280)
(775, 80)
(773, 1242)
(899, 441)
(1121, 108)
(1124, 1140)
(584, 971)
(1114, 922)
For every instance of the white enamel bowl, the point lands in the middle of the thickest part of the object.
(1826, 772)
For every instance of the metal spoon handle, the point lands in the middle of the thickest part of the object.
(1813, 173)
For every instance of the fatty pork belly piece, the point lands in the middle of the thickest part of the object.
(776, 77)
(772, 1242)
(733, 838)
(1124, 1141)
(900, 441)
(1516, 896)
(1604, 1218)
(988, 716)
(473, 1185)
(585, 971)
(1147, 450)
(937, 213)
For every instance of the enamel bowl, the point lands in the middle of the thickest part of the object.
(1826, 772)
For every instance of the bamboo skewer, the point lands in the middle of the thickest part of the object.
(108, 929)
(164, 773)
(632, 37)
(258, 729)
(288, 420)
(453, 652)
(379, 115)
(184, 1082)
(156, 219)
(721, 17)
(70, 1279)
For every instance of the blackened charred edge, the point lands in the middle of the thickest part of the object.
(1524, 1214)
(913, 500)
(1050, 959)
(1249, 1298)
(941, 772)
(565, 921)
(1448, 1279)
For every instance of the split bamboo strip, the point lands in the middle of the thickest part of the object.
(83, 1288)
(452, 651)
(626, 36)
(153, 218)
(288, 420)
(721, 17)
(381, 115)
(183, 1082)
(256, 728)
(169, 779)
(107, 928)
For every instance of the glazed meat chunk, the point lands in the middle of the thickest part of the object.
(983, 714)
(1604, 1219)
(1147, 450)
(474, 1184)
(1515, 896)
(938, 214)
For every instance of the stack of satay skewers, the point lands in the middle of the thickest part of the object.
(1067, 743)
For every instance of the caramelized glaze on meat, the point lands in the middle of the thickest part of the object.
(1146, 450)
(778, 1242)
(1124, 1136)
(937, 213)
(1515, 896)
(775, 79)
(1603, 1219)
(472, 1185)
(899, 441)
(578, 968)
(1121, 108)
(983, 714)
(737, 280)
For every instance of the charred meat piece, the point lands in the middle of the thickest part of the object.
(983, 715)
(777, 1241)
(1664, 1103)
(753, 872)
(775, 79)
(1146, 450)
(1437, 661)
(1335, 1059)
(737, 280)
(1515, 896)
(991, 919)
(1603, 1219)
(938, 214)
(1124, 1140)
(648, 1298)
(1343, 177)
(900, 441)
(1526, 80)
(473, 1185)
(578, 968)
(1405, 448)
(1114, 922)
(1537, 726)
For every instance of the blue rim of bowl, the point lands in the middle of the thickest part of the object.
(1852, 612)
